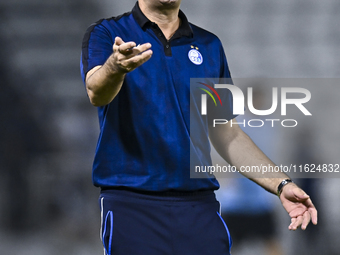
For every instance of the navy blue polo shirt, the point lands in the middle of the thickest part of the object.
(144, 140)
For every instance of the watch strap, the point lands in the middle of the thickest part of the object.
(281, 185)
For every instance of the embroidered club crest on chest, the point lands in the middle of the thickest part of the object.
(195, 56)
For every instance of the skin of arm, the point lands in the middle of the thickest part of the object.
(239, 150)
(104, 82)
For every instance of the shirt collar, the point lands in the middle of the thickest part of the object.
(143, 21)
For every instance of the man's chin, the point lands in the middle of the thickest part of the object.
(170, 3)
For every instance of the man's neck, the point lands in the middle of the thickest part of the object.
(166, 18)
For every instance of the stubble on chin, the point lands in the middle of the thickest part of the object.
(170, 3)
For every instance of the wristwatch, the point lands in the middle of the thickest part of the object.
(281, 185)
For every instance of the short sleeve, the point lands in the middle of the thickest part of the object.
(223, 107)
(224, 71)
(96, 47)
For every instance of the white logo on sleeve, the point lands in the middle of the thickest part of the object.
(195, 57)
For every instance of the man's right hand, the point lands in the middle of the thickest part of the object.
(127, 56)
(104, 82)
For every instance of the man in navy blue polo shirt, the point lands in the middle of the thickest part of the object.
(137, 69)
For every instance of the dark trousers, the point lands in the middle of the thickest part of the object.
(162, 224)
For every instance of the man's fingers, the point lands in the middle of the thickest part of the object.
(306, 220)
(136, 50)
(303, 220)
(138, 60)
(126, 48)
(118, 41)
(312, 211)
(129, 49)
(123, 47)
(296, 222)
(314, 214)
(127, 56)
(292, 223)
(141, 48)
(145, 56)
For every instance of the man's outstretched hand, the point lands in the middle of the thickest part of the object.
(127, 56)
(299, 207)
(103, 82)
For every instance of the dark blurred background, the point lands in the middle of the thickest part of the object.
(48, 128)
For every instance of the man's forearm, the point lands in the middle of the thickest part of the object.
(103, 84)
(240, 151)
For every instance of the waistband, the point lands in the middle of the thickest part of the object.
(171, 195)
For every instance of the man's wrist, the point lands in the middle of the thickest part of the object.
(281, 185)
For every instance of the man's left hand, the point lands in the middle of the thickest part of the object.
(299, 207)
